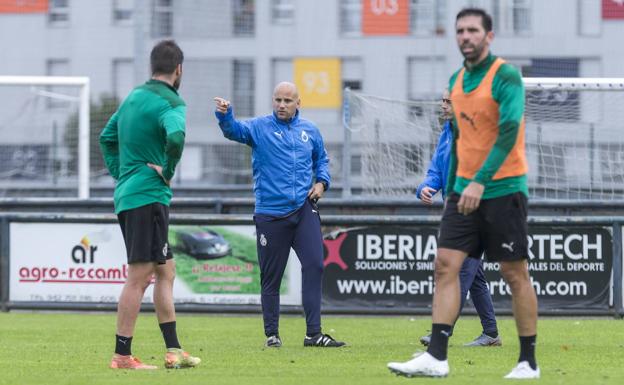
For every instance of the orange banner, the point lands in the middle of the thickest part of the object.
(23, 6)
(385, 17)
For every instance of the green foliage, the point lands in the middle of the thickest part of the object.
(100, 112)
(56, 348)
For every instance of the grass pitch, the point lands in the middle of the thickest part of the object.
(61, 348)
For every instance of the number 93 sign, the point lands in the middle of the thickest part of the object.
(319, 82)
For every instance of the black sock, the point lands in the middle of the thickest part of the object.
(493, 334)
(168, 330)
(438, 346)
(527, 350)
(123, 345)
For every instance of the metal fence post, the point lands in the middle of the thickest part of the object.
(618, 306)
(4, 264)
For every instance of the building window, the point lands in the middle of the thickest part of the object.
(427, 17)
(57, 67)
(244, 14)
(58, 12)
(352, 74)
(351, 17)
(552, 105)
(353, 85)
(511, 17)
(123, 78)
(283, 12)
(162, 18)
(243, 87)
(589, 18)
(427, 77)
(122, 11)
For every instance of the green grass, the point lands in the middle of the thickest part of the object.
(61, 348)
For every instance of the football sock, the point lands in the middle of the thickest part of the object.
(439, 341)
(123, 345)
(527, 350)
(170, 335)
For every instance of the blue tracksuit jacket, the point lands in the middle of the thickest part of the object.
(437, 174)
(286, 156)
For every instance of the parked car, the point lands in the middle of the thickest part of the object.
(206, 244)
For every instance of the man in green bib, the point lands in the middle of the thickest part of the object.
(142, 144)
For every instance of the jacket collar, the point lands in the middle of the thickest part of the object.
(292, 120)
(160, 82)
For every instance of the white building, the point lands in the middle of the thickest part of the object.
(239, 49)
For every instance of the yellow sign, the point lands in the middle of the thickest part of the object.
(319, 82)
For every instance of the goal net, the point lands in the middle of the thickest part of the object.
(574, 140)
(44, 136)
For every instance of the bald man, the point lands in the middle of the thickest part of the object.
(290, 171)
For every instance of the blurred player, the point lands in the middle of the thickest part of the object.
(142, 144)
(290, 170)
(487, 204)
(471, 275)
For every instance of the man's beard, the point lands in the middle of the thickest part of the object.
(477, 50)
(176, 83)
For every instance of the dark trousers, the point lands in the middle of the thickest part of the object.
(275, 236)
(472, 278)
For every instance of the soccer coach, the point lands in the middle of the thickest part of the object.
(287, 153)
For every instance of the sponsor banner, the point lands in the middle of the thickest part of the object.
(393, 266)
(380, 266)
(319, 82)
(612, 9)
(385, 17)
(87, 263)
(23, 6)
(570, 268)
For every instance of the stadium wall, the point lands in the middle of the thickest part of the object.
(374, 264)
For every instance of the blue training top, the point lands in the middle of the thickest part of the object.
(437, 174)
(285, 157)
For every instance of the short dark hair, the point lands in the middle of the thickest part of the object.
(486, 19)
(165, 57)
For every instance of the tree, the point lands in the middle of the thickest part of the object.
(99, 114)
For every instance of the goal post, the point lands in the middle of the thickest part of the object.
(574, 141)
(82, 99)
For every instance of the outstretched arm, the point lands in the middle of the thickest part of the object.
(232, 129)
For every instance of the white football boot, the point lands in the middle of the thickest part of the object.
(523, 371)
(422, 365)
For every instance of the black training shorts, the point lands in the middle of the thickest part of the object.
(145, 230)
(498, 226)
